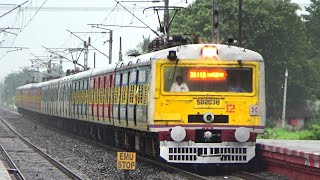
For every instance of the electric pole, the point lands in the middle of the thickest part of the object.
(240, 23)
(166, 18)
(60, 67)
(215, 22)
(110, 46)
(120, 50)
(85, 54)
(110, 38)
(284, 99)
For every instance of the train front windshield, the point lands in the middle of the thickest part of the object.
(207, 79)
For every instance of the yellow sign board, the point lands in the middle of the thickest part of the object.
(126, 160)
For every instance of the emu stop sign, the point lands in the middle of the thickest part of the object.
(126, 160)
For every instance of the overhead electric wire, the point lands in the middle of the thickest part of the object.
(52, 52)
(138, 18)
(13, 9)
(66, 9)
(34, 15)
(43, 3)
(89, 44)
(110, 12)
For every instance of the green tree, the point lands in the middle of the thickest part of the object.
(141, 48)
(270, 27)
(312, 21)
(11, 82)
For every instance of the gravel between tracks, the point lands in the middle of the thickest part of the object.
(86, 160)
(30, 162)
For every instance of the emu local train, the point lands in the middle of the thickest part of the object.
(197, 103)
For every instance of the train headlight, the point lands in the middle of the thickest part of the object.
(209, 52)
(208, 117)
(178, 133)
(242, 134)
(207, 135)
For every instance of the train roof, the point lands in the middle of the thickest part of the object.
(187, 52)
(193, 51)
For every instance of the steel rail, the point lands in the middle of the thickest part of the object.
(250, 176)
(170, 168)
(53, 161)
(15, 169)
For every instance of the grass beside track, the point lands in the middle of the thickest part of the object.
(281, 133)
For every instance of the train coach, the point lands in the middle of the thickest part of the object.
(197, 103)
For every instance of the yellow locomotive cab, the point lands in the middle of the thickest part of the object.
(212, 88)
(209, 108)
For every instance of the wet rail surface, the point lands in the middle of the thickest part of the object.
(32, 162)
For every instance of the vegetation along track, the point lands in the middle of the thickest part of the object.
(34, 163)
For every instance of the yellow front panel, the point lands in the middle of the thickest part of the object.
(175, 107)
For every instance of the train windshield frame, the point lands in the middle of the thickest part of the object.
(192, 79)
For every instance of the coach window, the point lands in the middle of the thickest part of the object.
(67, 92)
(105, 90)
(124, 88)
(94, 91)
(111, 89)
(86, 91)
(132, 86)
(73, 89)
(117, 88)
(81, 91)
(77, 92)
(63, 92)
(99, 99)
(142, 87)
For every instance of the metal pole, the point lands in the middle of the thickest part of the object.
(85, 55)
(166, 17)
(38, 74)
(120, 50)
(215, 24)
(110, 47)
(284, 99)
(240, 23)
(213, 21)
(94, 59)
(61, 69)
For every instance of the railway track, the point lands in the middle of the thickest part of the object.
(25, 154)
(13, 167)
(170, 169)
(182, 172)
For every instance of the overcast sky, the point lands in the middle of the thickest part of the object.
(48, 28)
